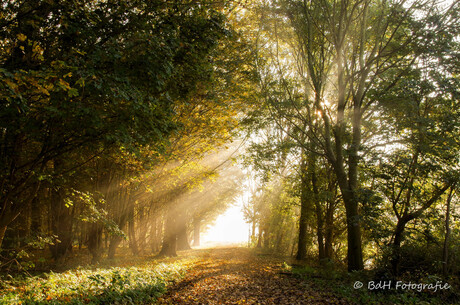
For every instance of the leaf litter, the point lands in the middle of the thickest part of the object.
(239, 276)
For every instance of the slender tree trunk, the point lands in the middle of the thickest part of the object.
(303, 221)
(82, 235)
(279, 242)
(95, 241)
(115, 241)
(266, 242)
(445, 250)
(405, 219)
(329, 232)
(2, 233)
(62, 223)
(319, 231)
(253, 231)
(354, 245)
(259, 238)
(196, 232)
(35, 225)
(155, 234)
(170, 234)
(354, 251)
(182, 236)
(398, 238)
(142, 228)
(131, 231)
(10, 211)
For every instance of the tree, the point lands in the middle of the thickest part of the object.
(340, 49)
(77, 75)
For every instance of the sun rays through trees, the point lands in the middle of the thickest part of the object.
(326, 131)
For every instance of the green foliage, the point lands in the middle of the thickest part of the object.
(340, 283)
(85, 286)
(92, 213)
(78, 78)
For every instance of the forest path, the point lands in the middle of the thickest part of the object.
(240, 276)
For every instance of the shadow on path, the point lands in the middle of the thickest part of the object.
(238, 276)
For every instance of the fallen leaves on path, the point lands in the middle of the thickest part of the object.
(238, 276)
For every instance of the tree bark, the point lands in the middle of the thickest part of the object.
(2, 234)
(95, 241)
(142, 228)
(398, 238)
(170, 234)
(155, 234)
(196, 232)
(131, 231)
(259, 238)
(303, 221)
(354, 251)
(329, 232)
(182, 237)
(445, 250)
(320, 232)
(266, 241)
(62, 223)
(406, 218)
(35, 225)
(114, 243)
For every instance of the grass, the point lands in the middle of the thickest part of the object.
(138, 283)
(341, 284)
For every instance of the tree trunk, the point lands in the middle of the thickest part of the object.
(303, 221)
(131, 231)
(266, 242)
(445, 250)
(182, 237)
(354, 245)
(319, 231)
(114, 243)
(259, 238)
(329, 232)
(95, 241)
(155, 234)
(62, 222)
(2, 233)
(170, 235)
(35, 225)
(196, 232)
(354, 251)
(253, 231)
(10, 211)
(142, 229)
(396, 253)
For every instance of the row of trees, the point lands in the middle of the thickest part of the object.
(112, 114)
(115, 116)
(359, 129)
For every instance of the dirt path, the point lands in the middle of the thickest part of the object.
(238, 276)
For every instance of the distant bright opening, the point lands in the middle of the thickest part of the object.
(229, 228)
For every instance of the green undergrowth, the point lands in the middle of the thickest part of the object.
(344, 285)
(135, 284)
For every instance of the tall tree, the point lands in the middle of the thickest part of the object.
(76, 74)
(342, 49)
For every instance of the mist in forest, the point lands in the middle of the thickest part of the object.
(151, 149)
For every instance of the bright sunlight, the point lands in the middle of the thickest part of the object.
(229, 228)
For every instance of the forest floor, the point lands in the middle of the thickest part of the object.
(241, 276)
(220, 275)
